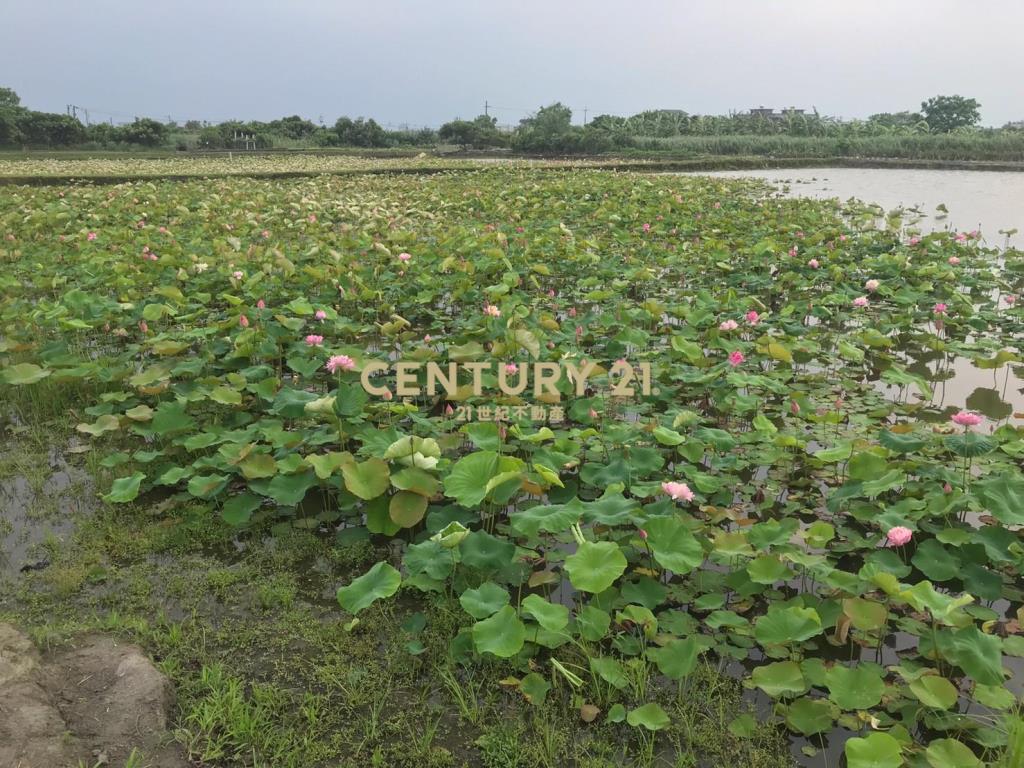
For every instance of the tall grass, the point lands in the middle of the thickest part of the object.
(1003, 146)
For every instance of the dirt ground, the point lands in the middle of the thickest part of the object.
(91, 703)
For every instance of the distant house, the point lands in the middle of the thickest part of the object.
(769, 113)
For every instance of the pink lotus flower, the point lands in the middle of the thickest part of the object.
(265, 234)
(312, 218)
(320, 315)
(954, 260)
(448, 410)
(939, 308)
(337, 363)
(860, 301)
(404, 256)
(238, 274)
(162, 230)
(813, 264)
(592, 413)
(915, 240)
(793, 251)
(842, 238)
(91, 236)
(677, 491)
(243, 321)
(153, 256)
(728, 325)
(261, 304)
(642, 533)
(492, 311)
(647, 227)
(551, 293)
(511, 368)
(871, 286)
(572, 311)
(426, 339)
(898, 536)
(314, 341)
(736, 358)
(966, 419)
(579, 332)
(753, 318)
(1010, 299)
(961, 237)
(947, 488)
(794, 407)
(144, 326)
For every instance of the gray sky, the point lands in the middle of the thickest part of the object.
(427, 62)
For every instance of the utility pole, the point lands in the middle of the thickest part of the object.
(486, 108)
(584, 115)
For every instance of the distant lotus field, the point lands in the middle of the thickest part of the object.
(782, 499)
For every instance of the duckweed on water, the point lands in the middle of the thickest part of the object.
(756, 502)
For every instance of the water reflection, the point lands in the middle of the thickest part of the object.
(984, 200)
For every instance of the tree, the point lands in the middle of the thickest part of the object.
(480, 132)
(360, 133)
(8, 98)
(144, 131)
(947, 113)
(46, 129)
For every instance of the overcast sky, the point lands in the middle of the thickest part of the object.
(423, 63)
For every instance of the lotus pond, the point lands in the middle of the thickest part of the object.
(785, 500)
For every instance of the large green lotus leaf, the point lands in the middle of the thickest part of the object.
(674, 547)
(416, 480)
(378, 517)
(970, 444)
(105, 423)
(934, 691)
(977, 654)
(877, 750)
(551, 616)
(935, 561)
(611, 670)
(468, 479)
(781, 626)
(207, 486)
(325, 464)
(484, 435)
(592, 623)
(125, 489)
(485, 551)
(23, 373)
(257, 465)
(368, 479)
(381, 581)
(808, 716)
(485, 600)
(859, 687)
(595, 566)
(949, 753)
(535, 688)
(865, 615)
(866, 466)
(767, 569)
(780, 679)
(552, 518)
(239, 508)
(678, 658)
(650, 716)
(1003, 497)
(502, 635)
(289, 490)
(944, 608)
(407, 508)
(901, 443)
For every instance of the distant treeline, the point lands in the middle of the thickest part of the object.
(944, 128)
